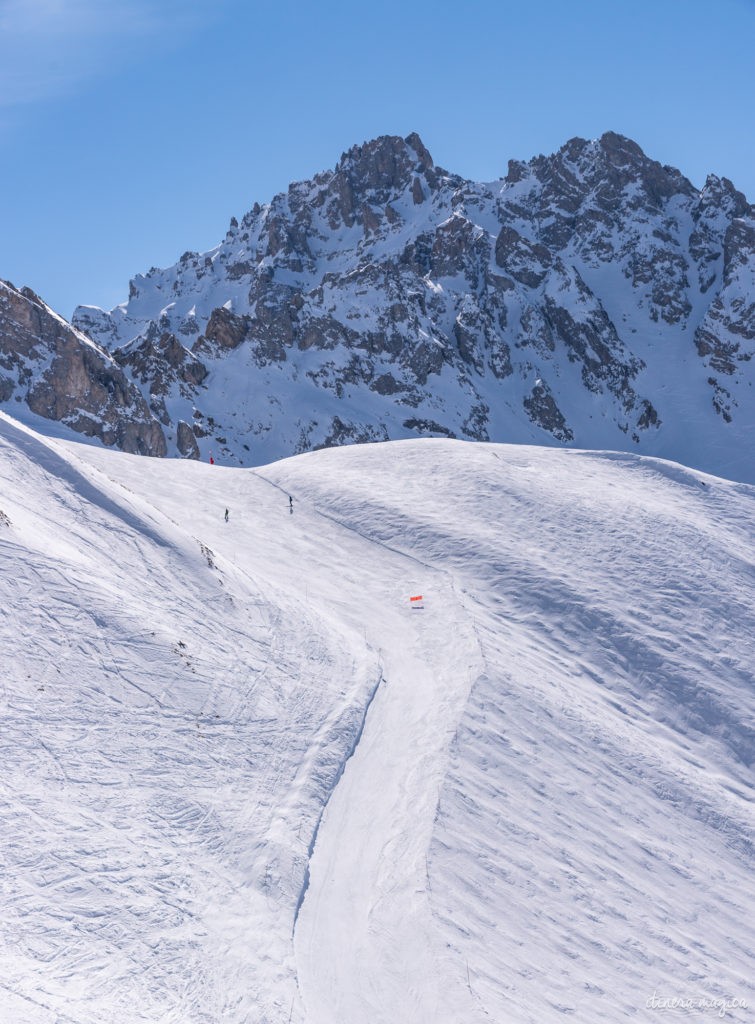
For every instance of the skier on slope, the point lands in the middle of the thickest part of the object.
(226, 515)
(290, 504)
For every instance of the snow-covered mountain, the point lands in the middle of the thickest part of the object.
(246, 778)
(593, 298)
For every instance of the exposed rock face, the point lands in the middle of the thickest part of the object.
(225, 329)
(186, 441)
(543, 410)
(62, 375)
(591, 297)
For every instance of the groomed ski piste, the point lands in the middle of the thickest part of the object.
(246, 780)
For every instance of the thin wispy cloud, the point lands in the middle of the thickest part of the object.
(49, 48)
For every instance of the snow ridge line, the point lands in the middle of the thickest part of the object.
(381, 543)
(364, 536)
(336, 780)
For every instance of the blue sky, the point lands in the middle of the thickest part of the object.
(131, 132)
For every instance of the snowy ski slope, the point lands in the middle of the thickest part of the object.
(245, 781)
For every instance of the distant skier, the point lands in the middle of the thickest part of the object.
(226, 515)
(212, 461)
(290, 504)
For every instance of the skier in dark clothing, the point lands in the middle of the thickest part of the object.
(226, 515)
(290, 504)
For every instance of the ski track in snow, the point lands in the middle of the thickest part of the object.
(367, 915)
(246, 781)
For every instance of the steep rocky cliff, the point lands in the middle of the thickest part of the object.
(60, 374)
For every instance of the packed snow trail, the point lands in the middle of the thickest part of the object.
(366, 946)
(244, 781)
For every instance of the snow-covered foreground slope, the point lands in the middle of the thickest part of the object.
(245, 780)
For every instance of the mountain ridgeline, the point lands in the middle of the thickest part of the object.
(593, 298)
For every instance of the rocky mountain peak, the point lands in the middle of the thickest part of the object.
(610, 165)
(621, 151)
(721, 195)
(659, 181)
(385, 165)
(425, 161)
